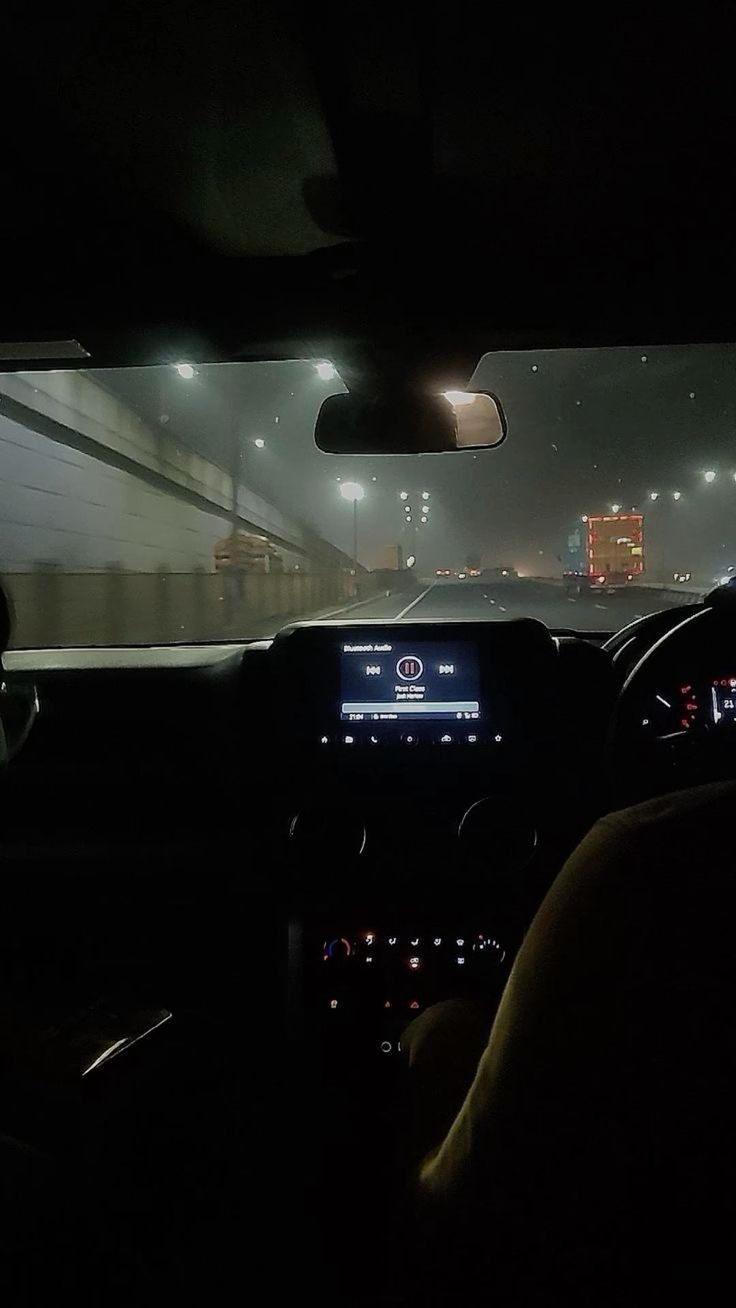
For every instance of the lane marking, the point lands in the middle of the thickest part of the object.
(601, 606)
(347, 607)
(571, 599)
(413, 604)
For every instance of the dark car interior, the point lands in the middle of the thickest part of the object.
(221, 908)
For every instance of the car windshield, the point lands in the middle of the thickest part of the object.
(188, 502)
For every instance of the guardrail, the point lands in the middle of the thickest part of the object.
(671, 596)
(115, 607)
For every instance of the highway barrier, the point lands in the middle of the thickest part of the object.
(116, 607)
(670, 596)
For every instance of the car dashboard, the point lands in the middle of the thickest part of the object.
(388, 790)
(302, 843)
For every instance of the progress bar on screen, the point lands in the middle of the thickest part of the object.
(415, 708)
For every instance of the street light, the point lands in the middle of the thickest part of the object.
(185, 370)
(353, 492)
(259, 442)
(325, 370)
(709, 475)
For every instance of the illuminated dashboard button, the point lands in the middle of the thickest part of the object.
(446, 738)
(385, 1046)
(409, 667)
(338, 949)
(408, 738)
(348, 740)
(415, 963)
(472, 738)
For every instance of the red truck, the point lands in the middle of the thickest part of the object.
(604, 552)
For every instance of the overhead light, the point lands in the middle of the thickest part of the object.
(615, 508)
(185, 370)
(325, 371)
(677, 495)
(425, 495)
(709, 475)
(403, 495)
(352, 490)
(654, 495)
(259, 442)
(411, 560)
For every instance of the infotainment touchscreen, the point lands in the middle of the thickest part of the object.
(409, 681)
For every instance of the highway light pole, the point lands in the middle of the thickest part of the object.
(353, 492)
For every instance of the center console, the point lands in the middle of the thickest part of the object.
(439, 776)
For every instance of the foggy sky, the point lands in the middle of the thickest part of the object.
(586, 428)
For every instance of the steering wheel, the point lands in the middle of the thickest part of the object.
(674, 723)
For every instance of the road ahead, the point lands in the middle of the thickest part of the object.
(451, 601)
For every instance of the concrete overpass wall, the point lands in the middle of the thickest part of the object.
(107, 530)
(62, 507)
(79, 414)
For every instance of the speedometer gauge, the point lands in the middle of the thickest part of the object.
(673, 710)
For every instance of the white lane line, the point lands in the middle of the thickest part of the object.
(414, 602)
(601, 606)
(571, 599)
(347, 607)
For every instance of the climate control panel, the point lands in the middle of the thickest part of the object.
(371, 982)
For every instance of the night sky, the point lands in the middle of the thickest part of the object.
(587, 428)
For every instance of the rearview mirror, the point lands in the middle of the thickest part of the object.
(408, 422)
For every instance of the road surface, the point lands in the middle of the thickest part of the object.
(452, 601)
